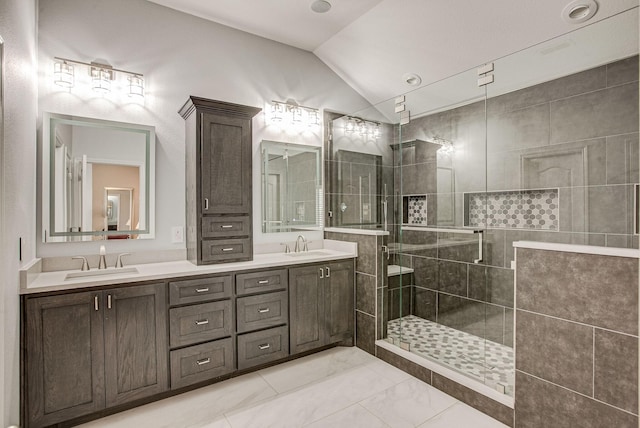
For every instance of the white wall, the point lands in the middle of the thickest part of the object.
(180, 55)
(17, 218)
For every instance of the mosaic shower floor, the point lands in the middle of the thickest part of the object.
(480, 359)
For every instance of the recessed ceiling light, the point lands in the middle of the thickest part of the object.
(412, 79)
(579, 11)
(320, 6)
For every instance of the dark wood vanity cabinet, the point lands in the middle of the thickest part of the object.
(218, 180)
(91, 350)
(321, 304)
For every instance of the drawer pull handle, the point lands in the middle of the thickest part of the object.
(263, 310)
(202, 322)
(321, 273)
(95, 303)
(203, 361)
(227, 249)
(202, 290)
(226, 226)
(206, 203)
(264, 281)
(263, 347)
(328, 273)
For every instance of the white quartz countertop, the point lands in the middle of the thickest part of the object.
(57, 281)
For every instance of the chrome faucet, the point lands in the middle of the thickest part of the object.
(85, 265)
(102, 262)
(304, 244)
(119, 261)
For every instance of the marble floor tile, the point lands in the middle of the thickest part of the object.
(303, 371)
(461, 415)
(337, 388)
(306, 405)
(353, 416)
(194, 408)
(408, 404)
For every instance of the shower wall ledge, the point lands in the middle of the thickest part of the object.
(355, 231)
(583, 249)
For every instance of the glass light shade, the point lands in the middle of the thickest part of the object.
(313, 118)
(276, 112)
(296, 114)
(63, 74)
(376, 131)
(350, 125)
(136, 86)
(101, 80)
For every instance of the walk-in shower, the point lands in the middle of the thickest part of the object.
(548, 152)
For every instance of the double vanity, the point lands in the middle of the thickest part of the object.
(99, 343)
(96, 342)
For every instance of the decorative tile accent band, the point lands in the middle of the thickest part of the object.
(520, 209)
(417, 209)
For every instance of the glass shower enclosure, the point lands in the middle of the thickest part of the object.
(547, 152)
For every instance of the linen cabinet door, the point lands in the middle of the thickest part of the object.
(339, 301)
(135, 329)
(226, 165)
(64, 357)
(306, 308)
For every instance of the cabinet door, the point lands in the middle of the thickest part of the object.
(64, 357)
(306, 308)
(225, 165)
(339, 309)
(135, 329)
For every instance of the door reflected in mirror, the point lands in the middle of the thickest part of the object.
(97, 179)
(292, 192)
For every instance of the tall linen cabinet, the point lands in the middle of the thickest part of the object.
(218, 181)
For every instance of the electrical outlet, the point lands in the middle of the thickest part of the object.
(177, 234)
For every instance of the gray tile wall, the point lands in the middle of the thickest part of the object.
(371, 287)
(576, 340)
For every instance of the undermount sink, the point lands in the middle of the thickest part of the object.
(100, 272)
(311, 253)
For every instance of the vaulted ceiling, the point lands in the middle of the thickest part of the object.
(373, 44)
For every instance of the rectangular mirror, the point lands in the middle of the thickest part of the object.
(292, 193)
(98, 179)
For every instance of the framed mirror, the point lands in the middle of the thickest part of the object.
(98, 179)
(292, 195)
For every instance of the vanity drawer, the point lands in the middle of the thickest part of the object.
(215, 250)
(223, 227)
(201, 362)
(262, 346)
(199, 323)
(261, 311)
(258, 282)
(200, 290)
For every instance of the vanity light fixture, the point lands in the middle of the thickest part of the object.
(363, 127)
(446, 146)
(291, 113)
(102, 76)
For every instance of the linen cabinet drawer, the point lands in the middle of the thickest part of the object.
(258, 282)
(224, 227)
(226, 249)
(199, 323)
(200, 290)
(261, 311)
(262, 346)
(201, 362)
